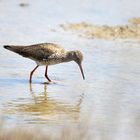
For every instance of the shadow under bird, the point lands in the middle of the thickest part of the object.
(47, 54)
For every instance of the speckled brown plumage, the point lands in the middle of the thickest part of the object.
(47, 54)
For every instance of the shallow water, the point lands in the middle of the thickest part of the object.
(108, 98)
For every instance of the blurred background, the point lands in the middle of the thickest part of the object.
(106, 105)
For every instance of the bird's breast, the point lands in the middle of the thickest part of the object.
(46, 62)
(53, 59)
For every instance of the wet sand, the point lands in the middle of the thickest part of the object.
(87, 30)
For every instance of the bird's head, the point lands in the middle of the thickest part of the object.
(77, 56)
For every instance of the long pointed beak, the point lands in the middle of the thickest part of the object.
(80, 66)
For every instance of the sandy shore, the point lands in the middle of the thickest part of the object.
(84, 29)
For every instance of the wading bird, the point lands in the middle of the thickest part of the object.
(47, 54)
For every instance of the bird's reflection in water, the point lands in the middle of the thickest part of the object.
(36, 99)
(44, 107)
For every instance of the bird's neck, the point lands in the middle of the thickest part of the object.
(68, 56)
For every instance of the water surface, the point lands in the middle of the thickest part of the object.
(108, 98)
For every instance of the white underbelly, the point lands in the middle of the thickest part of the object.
(44, 62)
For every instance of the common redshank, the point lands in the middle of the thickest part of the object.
(47, 54)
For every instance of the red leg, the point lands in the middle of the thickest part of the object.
(46, 75)
(32, 73)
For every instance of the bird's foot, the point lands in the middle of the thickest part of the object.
(52, 82)
(49, 82)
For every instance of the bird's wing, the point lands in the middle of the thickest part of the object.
(40, 51)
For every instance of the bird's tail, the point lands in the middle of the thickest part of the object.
(13, 48)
